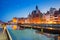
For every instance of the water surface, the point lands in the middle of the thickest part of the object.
(27, 34)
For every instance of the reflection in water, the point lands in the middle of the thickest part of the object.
(27, 34)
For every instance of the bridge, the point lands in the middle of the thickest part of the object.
(48, 28)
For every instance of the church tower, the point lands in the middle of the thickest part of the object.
(36, 7)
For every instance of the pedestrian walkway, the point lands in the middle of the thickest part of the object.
(3, 36)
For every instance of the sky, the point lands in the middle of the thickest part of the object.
(21, 8)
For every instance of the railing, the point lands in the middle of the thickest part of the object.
(9, 35)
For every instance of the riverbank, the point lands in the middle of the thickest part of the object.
(55, 36)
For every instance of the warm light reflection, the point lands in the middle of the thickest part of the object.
(14, 27)
(50, 28)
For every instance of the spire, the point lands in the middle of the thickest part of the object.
(59, 9)
(36, 7)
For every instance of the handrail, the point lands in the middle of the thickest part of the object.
(9, 35)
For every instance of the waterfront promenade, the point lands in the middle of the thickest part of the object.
(3, 36)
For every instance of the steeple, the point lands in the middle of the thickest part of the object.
(59, 9)
(36, 7)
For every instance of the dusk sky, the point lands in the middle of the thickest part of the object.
(21, 8)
